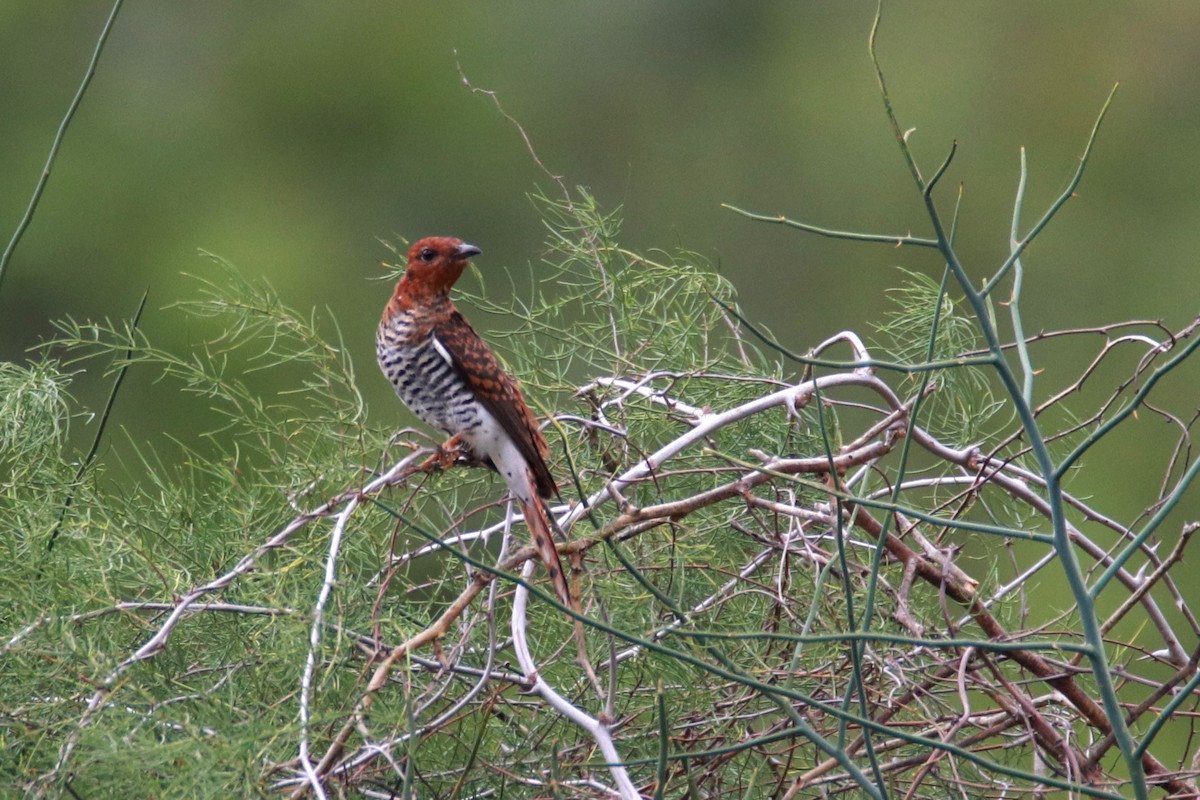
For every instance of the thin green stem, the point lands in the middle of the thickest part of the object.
(58, 138)
(1072, 570)
(937, 175)
(854, 236)
(905, 447)
(103, 424)
(856, 648)
(1183, 694)
(1071, 567)
(664, 743)
(1166, 506)
(1062, 199)
(901, 136)
(891, 366)
(1129, 409)
(801, 639)
(1014, 302)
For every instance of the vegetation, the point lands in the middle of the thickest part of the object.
(856, 570)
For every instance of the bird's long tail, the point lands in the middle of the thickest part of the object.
(541, 528)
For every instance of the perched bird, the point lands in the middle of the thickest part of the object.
(448, 376)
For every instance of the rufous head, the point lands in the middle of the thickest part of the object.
(435, 263)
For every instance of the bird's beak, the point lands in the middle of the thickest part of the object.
(465, 250)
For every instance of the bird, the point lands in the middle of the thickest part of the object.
(448, 376)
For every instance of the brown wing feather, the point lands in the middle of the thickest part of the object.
(476, 365)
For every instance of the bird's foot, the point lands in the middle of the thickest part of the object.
(446, 456)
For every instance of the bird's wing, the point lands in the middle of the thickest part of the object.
(477, 366)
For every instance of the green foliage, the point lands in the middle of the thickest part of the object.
(962, 407)
(215, 697)
(223, 691)
(776, 603)
(739, 599)
(34, 418)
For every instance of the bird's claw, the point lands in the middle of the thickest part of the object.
(446, 455)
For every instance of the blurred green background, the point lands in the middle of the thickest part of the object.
(289, 137)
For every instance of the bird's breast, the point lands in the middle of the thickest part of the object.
(426, 380)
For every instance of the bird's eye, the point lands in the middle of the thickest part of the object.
(427, 255)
